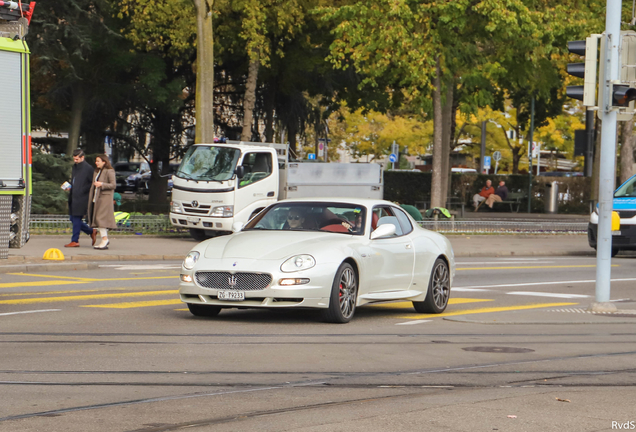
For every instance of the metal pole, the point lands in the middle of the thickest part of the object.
(482, 154)
(589, 152)
(530, 138)
(608, 153)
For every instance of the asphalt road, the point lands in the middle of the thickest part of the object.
(114, 350)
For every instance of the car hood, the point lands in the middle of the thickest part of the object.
(271, 244)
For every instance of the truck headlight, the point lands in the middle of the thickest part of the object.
(222, 211)
(175, 207)
(190, 260)
(297, 263)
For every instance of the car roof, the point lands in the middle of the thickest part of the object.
(367, 202)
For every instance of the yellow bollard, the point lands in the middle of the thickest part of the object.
(616, 221)
(53, 254)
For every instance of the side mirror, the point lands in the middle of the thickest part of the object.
(383, 231)
(240, 172)
(237, 226)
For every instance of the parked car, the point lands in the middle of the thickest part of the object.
(123, 170)
(331, 254)
(144, 180)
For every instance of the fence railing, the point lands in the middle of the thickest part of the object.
(505, 227)
(155, 224)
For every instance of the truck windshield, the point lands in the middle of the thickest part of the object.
(628, 189)
(208, 163)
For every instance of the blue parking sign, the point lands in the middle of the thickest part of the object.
(486, 162)
(311, 156)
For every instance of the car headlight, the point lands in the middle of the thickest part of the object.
(222, 211)
(297, 263)
(175, 207)
(191, 260)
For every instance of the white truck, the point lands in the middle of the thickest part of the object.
(217, 185)
(15, 127)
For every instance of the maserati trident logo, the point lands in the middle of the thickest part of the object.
(195, 204)
(231, 281)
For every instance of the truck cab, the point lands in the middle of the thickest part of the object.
(625, 205)
(219, 184)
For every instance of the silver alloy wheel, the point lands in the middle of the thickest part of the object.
(441, 285)
(348, 292)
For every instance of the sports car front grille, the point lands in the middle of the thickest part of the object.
(233, 281)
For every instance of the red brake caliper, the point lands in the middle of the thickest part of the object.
(340, 292)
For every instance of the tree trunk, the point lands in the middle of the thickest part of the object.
(627, 151)
(249, 100)
(447, 112)
(269, 113)
(77, 108)
(516, 157)
(204, 103)
(158, 193)
(436, 180)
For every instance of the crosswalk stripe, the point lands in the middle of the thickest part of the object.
(405, 305)
(39, 283)
(136, 304)
(86, 297)
(487, 310)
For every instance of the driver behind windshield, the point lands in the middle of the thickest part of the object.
(295, 219)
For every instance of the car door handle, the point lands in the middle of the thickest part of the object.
(408, 246)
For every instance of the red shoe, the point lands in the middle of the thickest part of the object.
(93, 236)
(72, 244)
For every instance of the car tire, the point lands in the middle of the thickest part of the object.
(198, 234)
(344, 294)
(438, 290)
(203, 310)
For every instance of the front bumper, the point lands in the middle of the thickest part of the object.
(625, 241)
(314, 294)
(201, 222)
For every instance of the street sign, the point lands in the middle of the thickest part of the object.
(496, 156)
(486, 162)
(392, 157)
(311, 156)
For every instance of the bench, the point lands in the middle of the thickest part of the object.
(513, 199)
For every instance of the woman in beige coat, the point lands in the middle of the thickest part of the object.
(101, 210)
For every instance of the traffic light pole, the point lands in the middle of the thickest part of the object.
(610, 64)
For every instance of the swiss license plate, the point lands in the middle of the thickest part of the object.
(231, 295)
(616, 233)
(194, 220)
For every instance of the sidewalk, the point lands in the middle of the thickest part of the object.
(136, 248)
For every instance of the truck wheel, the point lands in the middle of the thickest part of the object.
(203, 310)
(198, 234)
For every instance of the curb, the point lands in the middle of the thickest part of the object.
(82, 262)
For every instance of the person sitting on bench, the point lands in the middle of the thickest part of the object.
(500, 194)
(485, 192)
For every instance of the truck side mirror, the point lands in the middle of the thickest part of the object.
(240, 171)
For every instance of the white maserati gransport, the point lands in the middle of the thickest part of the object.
(329, 254)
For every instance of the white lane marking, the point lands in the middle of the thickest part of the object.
(141, 267)
(534, 260)
(33, 311)
(468, 290)
(543, 294)
(413, 322)
(542, 283)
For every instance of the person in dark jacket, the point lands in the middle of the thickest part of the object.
(81, 181)
(500, 195)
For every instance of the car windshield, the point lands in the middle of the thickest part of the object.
(311, 216)
(208, 163)
(628, 189)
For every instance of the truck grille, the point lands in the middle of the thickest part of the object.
(625, 214)
(202, 209)
(233, 281)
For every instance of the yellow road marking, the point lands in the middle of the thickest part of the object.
(527, 267)
(186, 309)
(38, 283)
(406, 305)
(138, 278)
(86, 297)
(487, 310)
(54, 277)
(136, 304)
